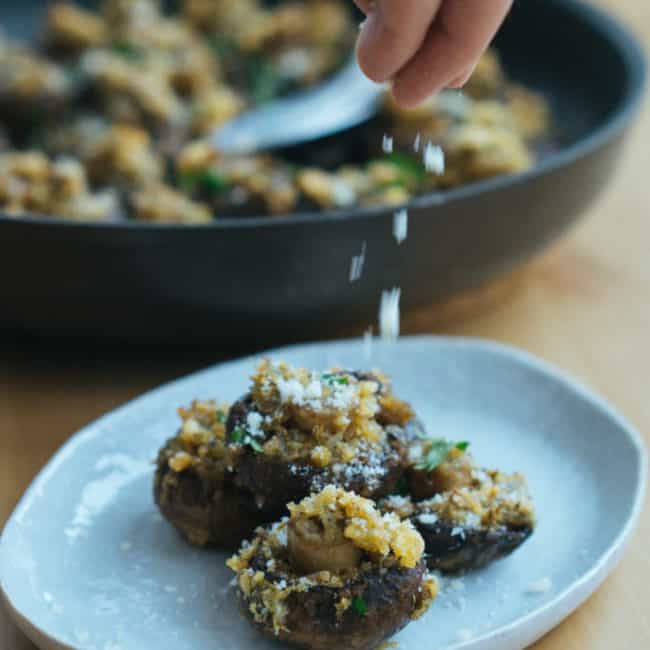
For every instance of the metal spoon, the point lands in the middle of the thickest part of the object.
(346, 100)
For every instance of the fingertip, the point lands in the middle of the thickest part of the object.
(462, 79)
(408, 97)
(368, 54)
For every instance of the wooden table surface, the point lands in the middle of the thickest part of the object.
(583, 306)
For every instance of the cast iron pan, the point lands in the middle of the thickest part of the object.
(258, 281)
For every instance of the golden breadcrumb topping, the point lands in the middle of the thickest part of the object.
(493, 500)
(370, 531)
(202, 434)
(266, 574)
(327, 416)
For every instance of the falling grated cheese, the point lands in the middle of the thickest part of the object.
(356, 266)
(416, 144)
(343, 194)
(434, 159)
(387, 144)
(400, 225)
(389, 315)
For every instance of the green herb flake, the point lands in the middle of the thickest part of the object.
(206, 181)
(359, 605)
(330, 380)
(265, 82)
(127, 50)
(221, 416)
(438, 453)
(240, 436)
(411, 173)
(254, 445)
(222, 45)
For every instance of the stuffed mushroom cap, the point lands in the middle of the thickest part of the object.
(485, 517)
(335, 573)
(193, 485)
(301, 430)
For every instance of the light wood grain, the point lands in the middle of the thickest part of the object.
(584, 306)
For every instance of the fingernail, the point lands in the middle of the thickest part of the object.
(462, 79)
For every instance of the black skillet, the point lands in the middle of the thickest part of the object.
(255, 281)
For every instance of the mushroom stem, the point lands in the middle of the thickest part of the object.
(312, 548)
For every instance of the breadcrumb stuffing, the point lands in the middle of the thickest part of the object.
(365, 526)
(334, 418)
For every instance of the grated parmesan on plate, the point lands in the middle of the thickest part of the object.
(464, 635)
(540, 586)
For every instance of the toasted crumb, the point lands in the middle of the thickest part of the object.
(180, 461)
(364, 526)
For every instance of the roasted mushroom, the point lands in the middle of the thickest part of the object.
(467, 516)
(335, 574)
(301, 430)
(193, 481)
(231, 469)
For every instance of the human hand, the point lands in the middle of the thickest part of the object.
(423, 46)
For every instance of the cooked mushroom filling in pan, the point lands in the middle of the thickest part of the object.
(336, 573)
(123, 99)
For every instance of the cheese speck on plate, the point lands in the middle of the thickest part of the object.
(540, 586)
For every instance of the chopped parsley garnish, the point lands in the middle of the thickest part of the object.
(240, 436)
(359, 605)
(221, 416)
(265, 82)
(206, 181)
(127, 50)
(222, 45)
(439, 450)
(410, 171)
(255, 446)
(335, 379)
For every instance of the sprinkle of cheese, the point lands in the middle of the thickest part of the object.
(400, 225)
(434, 159)
(389, 314)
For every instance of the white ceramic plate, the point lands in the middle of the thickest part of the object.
(87, 563)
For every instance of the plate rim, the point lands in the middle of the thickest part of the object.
(545, 617)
